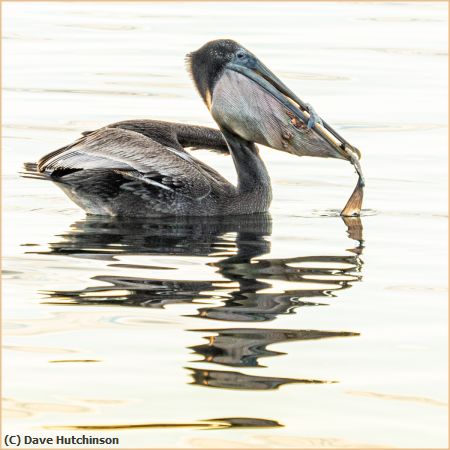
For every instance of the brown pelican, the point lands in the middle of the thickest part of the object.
(142, 168)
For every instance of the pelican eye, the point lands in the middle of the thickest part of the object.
(240, 55)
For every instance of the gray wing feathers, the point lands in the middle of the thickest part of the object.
(139, 156)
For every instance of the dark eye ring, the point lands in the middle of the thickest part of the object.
(240, 55)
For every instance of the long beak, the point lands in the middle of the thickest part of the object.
(261, 75)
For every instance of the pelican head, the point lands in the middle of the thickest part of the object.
(249, 100)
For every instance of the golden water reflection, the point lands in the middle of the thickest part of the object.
(210, 424)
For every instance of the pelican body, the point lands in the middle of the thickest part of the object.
(144, 167)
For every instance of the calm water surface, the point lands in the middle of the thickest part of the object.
(294, 329)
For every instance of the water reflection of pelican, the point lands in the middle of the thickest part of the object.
(243, 347)
(98, 237)
(240, 297)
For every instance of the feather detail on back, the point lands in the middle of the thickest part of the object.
(138, 157)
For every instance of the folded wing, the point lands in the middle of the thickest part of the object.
(133, 156)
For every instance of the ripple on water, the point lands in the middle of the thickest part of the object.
(226, 379)
(229, 422)
(243, 347)
(28, 409)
